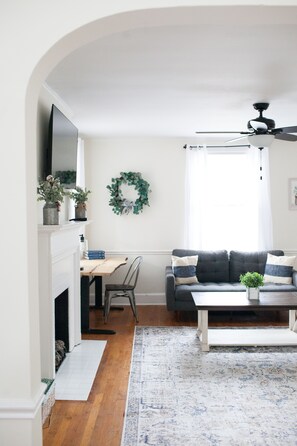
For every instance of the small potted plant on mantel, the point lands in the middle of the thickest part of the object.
(80, 197)
(52, 192)
(252, 281)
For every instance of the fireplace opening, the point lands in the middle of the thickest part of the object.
(61, 328)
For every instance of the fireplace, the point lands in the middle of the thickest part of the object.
(59, 275)
(61, 328)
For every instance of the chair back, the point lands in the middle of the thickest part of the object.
(133, 272)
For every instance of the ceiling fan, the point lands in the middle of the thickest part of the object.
(261, 131)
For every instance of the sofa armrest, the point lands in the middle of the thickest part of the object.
(170, 288)
(294, 277)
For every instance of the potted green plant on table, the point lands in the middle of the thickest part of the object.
(252, 281)
(80, 197)
(51, 191)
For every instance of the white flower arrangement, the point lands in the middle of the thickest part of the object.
(51, 191)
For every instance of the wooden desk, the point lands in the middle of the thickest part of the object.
(93, 271)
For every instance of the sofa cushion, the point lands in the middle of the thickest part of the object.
(212, 266)
(184, 269)
(241, 262)
(183, 292)
(279, 269)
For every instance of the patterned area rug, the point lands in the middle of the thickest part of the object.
(179, 396)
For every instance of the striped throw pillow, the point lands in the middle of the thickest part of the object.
(184, 269)
(279, 269)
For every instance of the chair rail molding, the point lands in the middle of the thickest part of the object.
(140, 252)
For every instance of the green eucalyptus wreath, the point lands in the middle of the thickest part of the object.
(119, 204)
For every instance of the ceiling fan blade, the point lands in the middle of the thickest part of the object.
(261, 131)
(216, 132)
(292, 129)
(257, 125)
(236, 139)
(286, 137)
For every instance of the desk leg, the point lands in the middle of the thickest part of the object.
(98, 292)
(85, 315)
(84, 304)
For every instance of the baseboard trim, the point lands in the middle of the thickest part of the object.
(22, 409)
(150, 299)
(141, 299)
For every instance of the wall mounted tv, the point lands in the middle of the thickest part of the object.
(62, 149)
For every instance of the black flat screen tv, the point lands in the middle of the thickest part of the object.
(62, 149)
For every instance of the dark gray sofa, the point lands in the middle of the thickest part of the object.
(218, 271)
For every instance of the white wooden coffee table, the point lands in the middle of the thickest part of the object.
(237, 301)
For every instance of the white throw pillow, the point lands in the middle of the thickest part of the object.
(279, 269)
(184, 269)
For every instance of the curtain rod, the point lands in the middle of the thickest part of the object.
(187, 146)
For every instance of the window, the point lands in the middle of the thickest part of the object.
(223, 200)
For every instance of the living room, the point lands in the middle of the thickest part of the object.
(161, 160)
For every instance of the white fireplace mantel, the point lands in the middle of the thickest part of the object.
(59, 269)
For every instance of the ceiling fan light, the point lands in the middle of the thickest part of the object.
(261, 140)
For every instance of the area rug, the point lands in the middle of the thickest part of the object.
(179, 396)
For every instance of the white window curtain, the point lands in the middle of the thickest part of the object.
(265, 230)
(227, 206)
(80, 178)
(196, 161)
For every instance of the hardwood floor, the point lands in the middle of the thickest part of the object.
(99, 421)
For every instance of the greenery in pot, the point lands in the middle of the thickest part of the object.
(252, 279)
(51, 191)
(79, 195)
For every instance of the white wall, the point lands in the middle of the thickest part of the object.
(161, 163)
(283, 157)
(158, 228)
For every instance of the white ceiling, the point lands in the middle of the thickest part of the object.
(174, 80)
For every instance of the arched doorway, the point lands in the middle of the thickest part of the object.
(66, 44)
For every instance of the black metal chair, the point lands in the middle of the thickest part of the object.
(125, 289)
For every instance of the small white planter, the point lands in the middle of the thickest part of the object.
(252, 293)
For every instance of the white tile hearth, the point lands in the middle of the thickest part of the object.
(75, 377)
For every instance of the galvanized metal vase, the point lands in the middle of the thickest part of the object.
(50, 214)
(80, 211)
